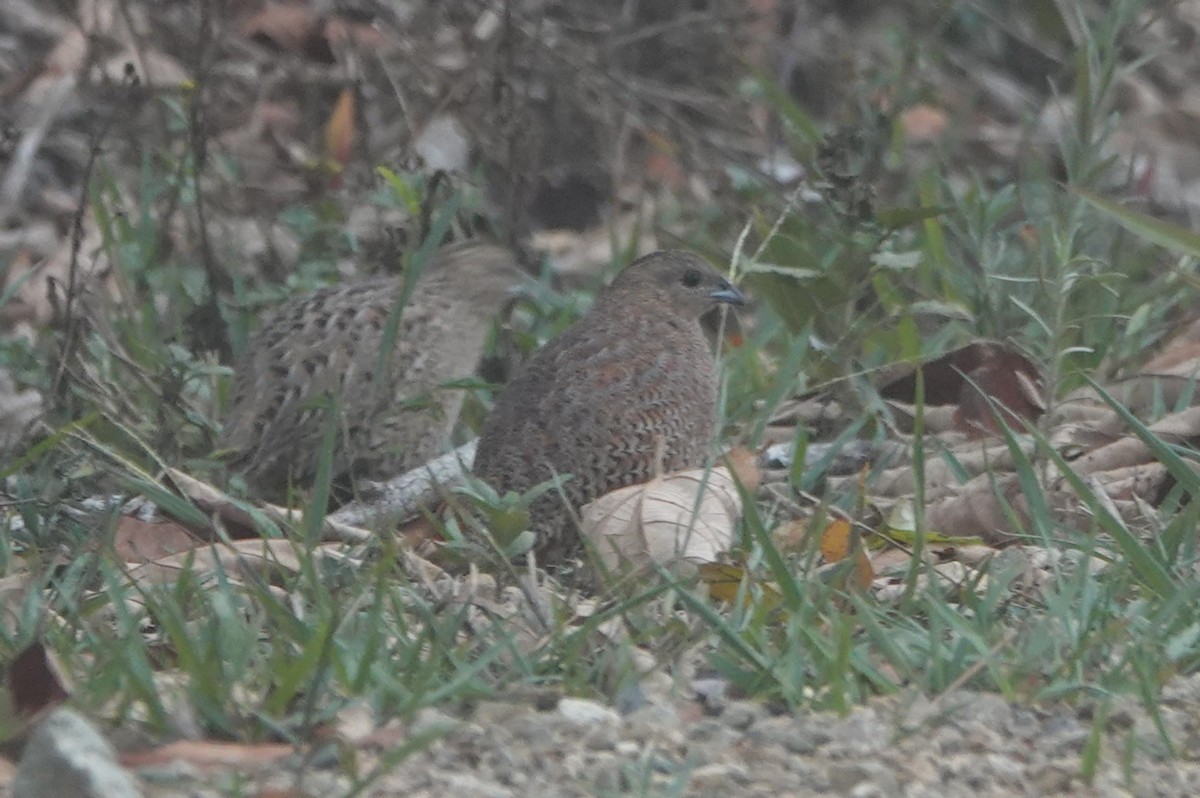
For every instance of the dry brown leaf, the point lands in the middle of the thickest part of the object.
(240, 558)
(298, 29)
(1181, 360)
(341, 32)
(1142, 394)
(974, 555)
(977, 379)
(292, 28)
(1144, 482)
(975, 511)
(1131, 451)
(941, 478)
(137, 541)
(1180, 349)
(20, 412)
(689, 516)
(45, 292)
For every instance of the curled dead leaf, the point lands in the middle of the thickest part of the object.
(689, 517)
(989, 384)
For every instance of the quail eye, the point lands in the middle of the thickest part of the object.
(691, 278)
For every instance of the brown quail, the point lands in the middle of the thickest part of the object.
(629, 389)
(323, 350)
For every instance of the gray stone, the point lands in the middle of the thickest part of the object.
(741, 715)
(67, 758)
(586, 713)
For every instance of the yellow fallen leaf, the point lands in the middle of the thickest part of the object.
(339, 131)
(839, 542)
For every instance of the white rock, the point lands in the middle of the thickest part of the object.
(66, 756)
(587, 713)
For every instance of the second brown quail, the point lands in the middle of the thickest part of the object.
(325, 349)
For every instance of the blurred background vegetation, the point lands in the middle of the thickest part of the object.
(890, 181)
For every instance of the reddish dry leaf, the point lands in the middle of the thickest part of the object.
(1004, 391)
(974, 378)
(661, 164)
(299, 30)
(923, 122)
(35, 680)
(339, 32)
(205, 754)
(291, 28)
(137, 541)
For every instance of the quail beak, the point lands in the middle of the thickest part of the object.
(728, 294)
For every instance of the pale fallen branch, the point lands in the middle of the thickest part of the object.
(402, 498)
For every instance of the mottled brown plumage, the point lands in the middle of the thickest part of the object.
(327, 345)
(628, 390)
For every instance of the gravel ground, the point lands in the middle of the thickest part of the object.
(963, 744)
